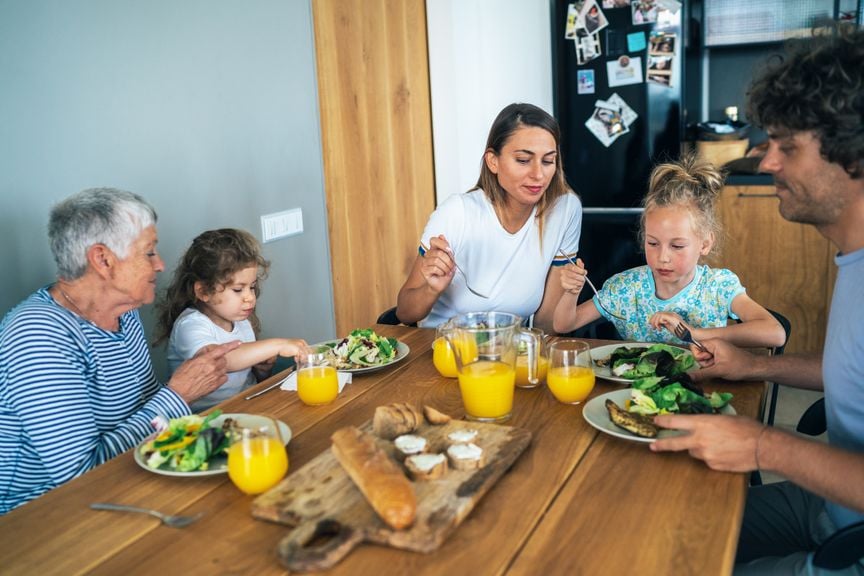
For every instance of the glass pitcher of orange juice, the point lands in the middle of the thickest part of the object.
(484, 346)
(257, 459)
(523, 379)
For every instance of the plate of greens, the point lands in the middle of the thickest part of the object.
(366, 351)
(196, 445)
(597, 415)
(625, 363)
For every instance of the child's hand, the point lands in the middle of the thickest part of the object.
(667, 320)
(573, 277)
(291, 347)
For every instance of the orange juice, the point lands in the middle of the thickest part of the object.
(257, 464)
(317, 385)
(570, 384)
(522, 370)
(445, 360)
(487, 390)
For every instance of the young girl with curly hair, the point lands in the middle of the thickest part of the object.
(211, 300)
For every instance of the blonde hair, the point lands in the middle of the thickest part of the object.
(691, 183)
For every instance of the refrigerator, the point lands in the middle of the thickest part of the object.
(609, 169)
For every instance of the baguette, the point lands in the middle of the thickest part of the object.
(424, 467)
(377, 476)
(395, 420)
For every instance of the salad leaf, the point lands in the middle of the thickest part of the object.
(656, 360)
(674, 394)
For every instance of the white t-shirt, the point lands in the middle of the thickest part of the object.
(509, 268)
(192, 331)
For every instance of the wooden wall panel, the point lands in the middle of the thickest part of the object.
(784, 265)
(376, 124)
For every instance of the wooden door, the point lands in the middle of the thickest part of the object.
(784, 265)
(376, 132)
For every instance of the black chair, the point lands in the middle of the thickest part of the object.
(389, 317)
(813, 421)
(778, 350)
(842, 549)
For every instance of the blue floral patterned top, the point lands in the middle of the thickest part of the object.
(705, 303)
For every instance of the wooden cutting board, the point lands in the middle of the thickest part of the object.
(329, 515)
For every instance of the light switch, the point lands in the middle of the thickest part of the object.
(281, 224)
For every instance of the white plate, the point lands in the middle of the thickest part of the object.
(596, 415)
(402, 351)
(219, 464)
(604, 352)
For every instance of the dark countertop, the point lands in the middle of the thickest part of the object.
(749, 180)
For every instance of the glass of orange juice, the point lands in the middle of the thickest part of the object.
(570, 376)
(257, 459)
(523, 379)
(442, 353)
(317, 381)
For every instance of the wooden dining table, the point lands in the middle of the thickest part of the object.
(577, 501)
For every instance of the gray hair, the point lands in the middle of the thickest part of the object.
(106, 216)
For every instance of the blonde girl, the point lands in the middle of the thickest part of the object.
(679, 228)
(211, 300)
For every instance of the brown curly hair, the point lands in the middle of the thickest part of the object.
(819, 87)
(692, 183)
(212, 259)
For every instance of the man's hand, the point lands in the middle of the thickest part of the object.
(203, 373)
(723, 360)
(726, 443)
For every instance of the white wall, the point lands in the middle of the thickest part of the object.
(483, 55)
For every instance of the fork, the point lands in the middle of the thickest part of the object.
(591, 284)
(467, 285)
(175, 521)
(683, 333)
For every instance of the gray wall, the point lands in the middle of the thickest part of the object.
(206, 108)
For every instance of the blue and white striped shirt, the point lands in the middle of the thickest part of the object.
(72, 396)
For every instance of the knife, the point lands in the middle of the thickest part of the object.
(272, 386)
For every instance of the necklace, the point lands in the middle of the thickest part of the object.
(69, 299)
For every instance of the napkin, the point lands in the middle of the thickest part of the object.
(290, 383)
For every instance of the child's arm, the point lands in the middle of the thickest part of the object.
(757, 328)
(568, 316)
(252, 353)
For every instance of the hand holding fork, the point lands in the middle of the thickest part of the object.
(591, 284)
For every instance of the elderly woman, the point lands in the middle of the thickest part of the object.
(76, 381)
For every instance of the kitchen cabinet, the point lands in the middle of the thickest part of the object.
(785, 266)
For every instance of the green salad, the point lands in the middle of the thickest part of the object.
(656, 360)
(188, 444)
(364, 348)
(674, 394)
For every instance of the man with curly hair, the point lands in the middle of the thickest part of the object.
(812, 105)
